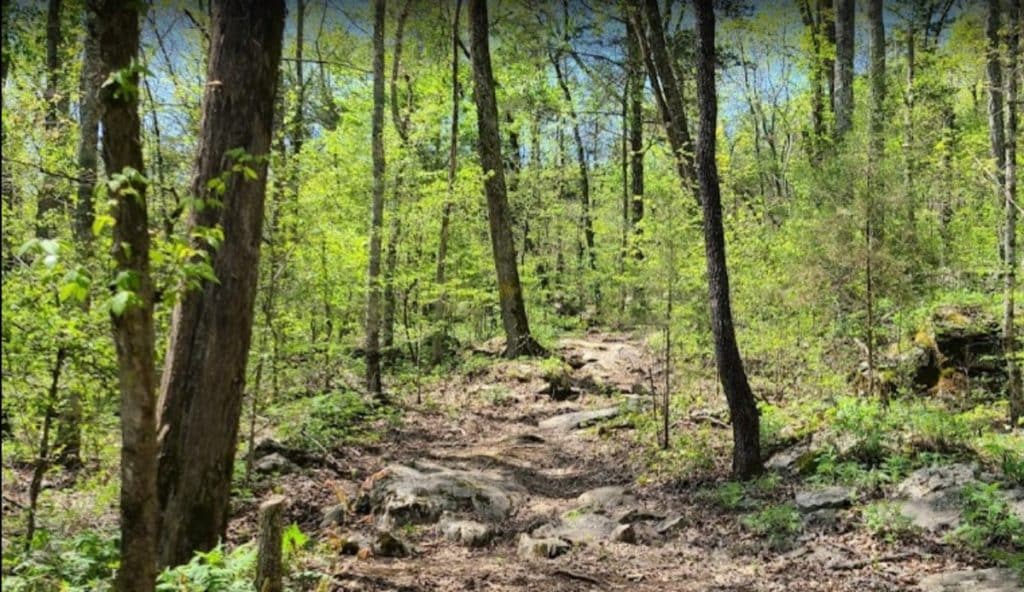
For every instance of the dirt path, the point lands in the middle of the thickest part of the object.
(491, 423)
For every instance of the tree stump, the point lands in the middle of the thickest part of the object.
(268, 566)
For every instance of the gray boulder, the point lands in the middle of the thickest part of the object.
(930, 497)
(810, 500)
(578, 419)
(543, 548)
(468, 533)
(972, 580)
(605, 498)
(274, 463)
(401, 494)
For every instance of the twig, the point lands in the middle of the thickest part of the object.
(575, 575)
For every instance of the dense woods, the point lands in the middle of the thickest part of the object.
(408, 295)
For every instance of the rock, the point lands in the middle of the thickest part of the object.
(819, 499)
(388, 545)
(624, 533)
(468, 533)
(930, 497)
(634, 515)
(580, 528)
(671, 524)
(334, 516)
(578, 419)
(605, 498)
(797, 459)
(544, 548)
(972, 580)
(353, 543)
(827, 520)
(274, 463)
(400, 494)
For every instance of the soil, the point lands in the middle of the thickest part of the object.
(488, 420)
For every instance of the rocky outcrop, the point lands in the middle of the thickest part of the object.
(972, 580)
(420, 494)
(578, 419)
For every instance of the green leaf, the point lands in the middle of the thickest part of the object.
(120, 302)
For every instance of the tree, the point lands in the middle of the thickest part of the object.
(842, 100)
(50, 198)
(211, 327)
(373, 297)
(1003, 136)
(746, 458)
(635, 92)
(876, 147)
(437, 348)
(510, 291)
(116, 35)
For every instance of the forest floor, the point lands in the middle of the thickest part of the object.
(489, 422)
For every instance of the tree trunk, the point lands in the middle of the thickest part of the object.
(819, 72)
(299, 123)
(873, 219)
(636, 132)
(88, 120)
(843, 97)
(909, 156)
(663, 75)
(269, 571)
(51, 200)
(373, 295)
(746, 460)
(437, 348)
(117, 37)
(211, 328)
(395, 225)
(510, 291)
(1013, 371)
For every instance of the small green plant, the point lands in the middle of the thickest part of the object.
(214, 571)
(293, 540)
(331, 419)
(884, 520)
(86, 562)
(730, 494)
(776, 523)
(988, 522)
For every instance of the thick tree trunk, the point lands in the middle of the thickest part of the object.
(843, 97)
(746, 459)
(51, 198)
(1013, 384)
(819, 72)
(510, 291)
(117, 37)
(211, 328)
(373, 295)
(437, 348)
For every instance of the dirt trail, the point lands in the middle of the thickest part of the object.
(489, 421)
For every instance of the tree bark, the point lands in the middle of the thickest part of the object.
(88, 123)
(746, 459)
(373, 296)
(819, 72)
(51, 200)
(873, 219)
(636, 131)
(510, 291)
(211, 327)
(663, 75)
(117, 37)
(843, 97)
(269, 571)
(1013, 371)
(437, 348)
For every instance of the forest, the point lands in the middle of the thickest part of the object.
(575, 295)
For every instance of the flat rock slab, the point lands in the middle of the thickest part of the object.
(468, 533)
(578, 419)
(972, 580)
(606, 498)
(930, 497)
(820, 499)
(400, 494)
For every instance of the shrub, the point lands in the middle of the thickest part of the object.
(884, 520)
(776, 523)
